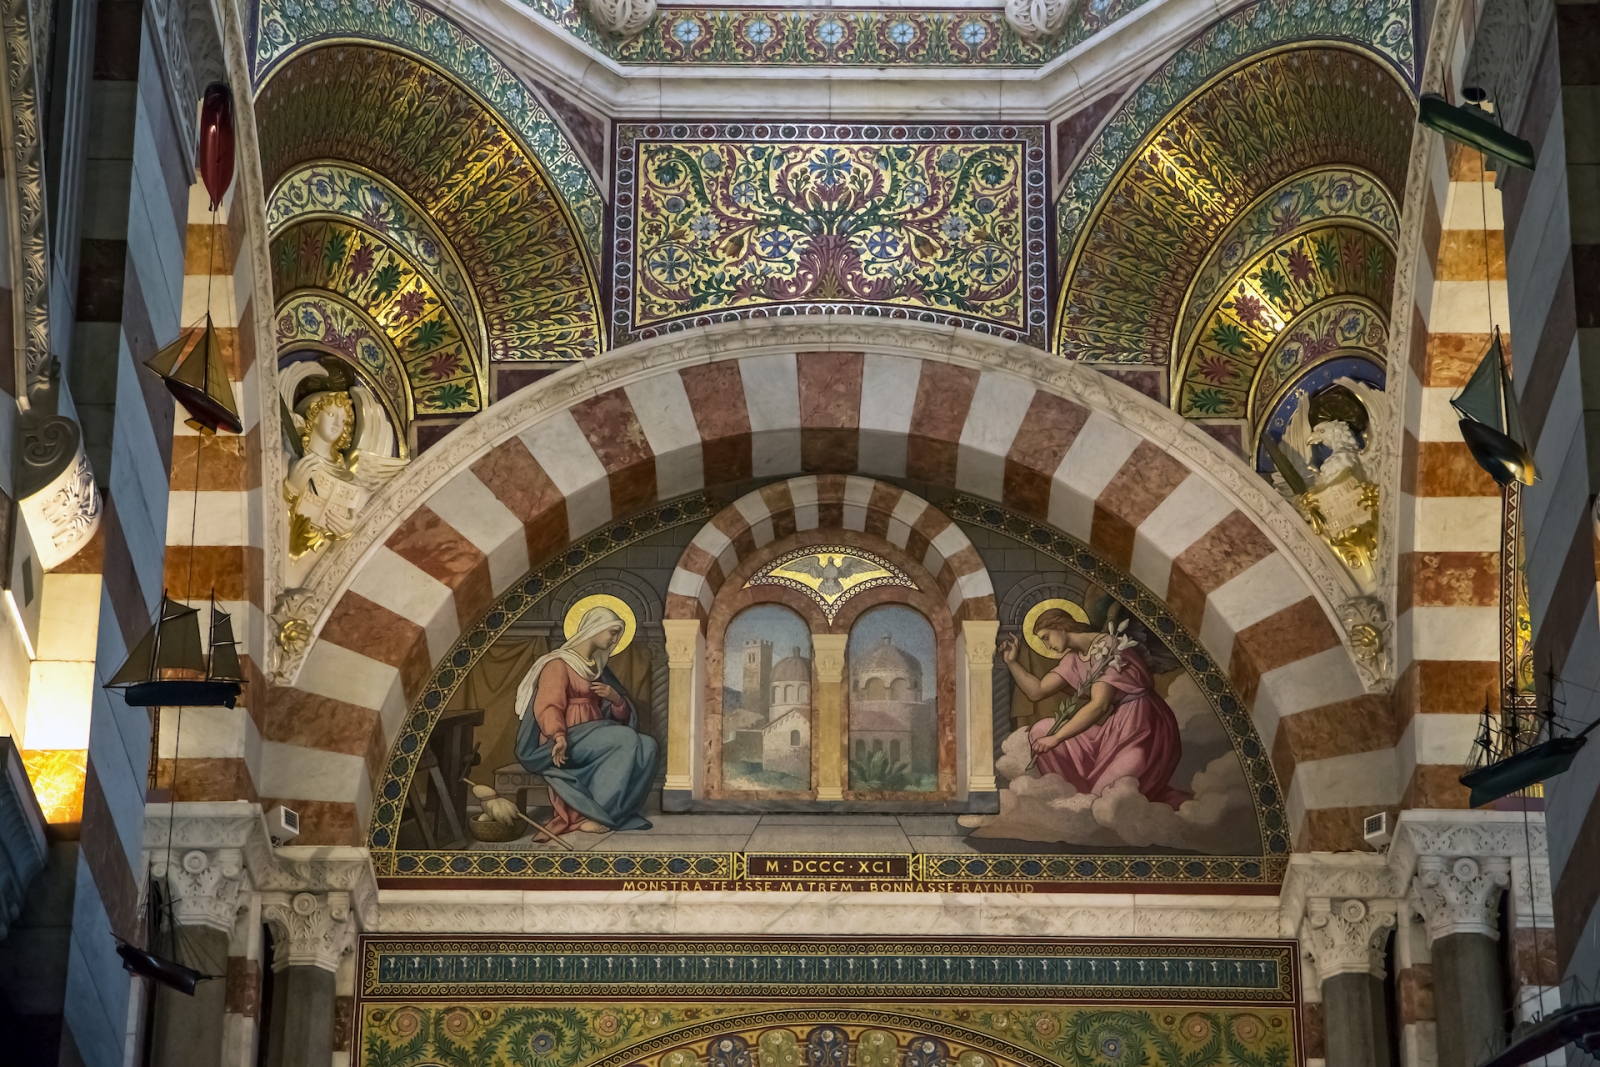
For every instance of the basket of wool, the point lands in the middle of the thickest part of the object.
(499, 820)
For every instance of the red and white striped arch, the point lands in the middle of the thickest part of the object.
(774, 400)
(830, 501)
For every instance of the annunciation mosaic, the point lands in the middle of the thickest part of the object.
(784, 1003)
(1206, 809)
(717, 221)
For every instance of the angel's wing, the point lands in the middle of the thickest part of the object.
(1377, 403)
(373, 472)
(806, 565)
(849, 566)
(375, 435)
(1297, 436)
(290, 377)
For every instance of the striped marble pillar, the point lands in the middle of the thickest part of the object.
(1449, 564)
(213, 547)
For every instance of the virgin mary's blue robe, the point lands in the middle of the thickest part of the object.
(609, 767)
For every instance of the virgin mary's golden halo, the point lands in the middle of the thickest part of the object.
(569, 625)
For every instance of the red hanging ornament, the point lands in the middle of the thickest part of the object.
(215, 161)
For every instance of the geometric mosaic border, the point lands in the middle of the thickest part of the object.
(696, 35)
(925, 969)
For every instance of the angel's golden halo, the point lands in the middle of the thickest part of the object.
(1036, 642)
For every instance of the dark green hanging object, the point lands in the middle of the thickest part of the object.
(1490, 424)
(1472, 127)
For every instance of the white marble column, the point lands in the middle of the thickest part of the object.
(1459, 899)
(978, 636)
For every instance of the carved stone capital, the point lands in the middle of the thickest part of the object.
(312, 930)
(1347, 936)
(204, 886)
(1460, 895)
(980, 635)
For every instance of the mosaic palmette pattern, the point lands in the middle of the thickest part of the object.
(725, 220)
(372, 275)
(1314, 295)
(326, 189)
(1300, 202)
(284, 27)
(693, 35)
(1288, 114)
(460, 163)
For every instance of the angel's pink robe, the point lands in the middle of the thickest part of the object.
(1138, 739)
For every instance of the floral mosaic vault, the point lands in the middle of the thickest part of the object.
(942, 224)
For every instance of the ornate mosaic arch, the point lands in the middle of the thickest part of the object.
(283, 31)
(1134, 253)
(518, 227)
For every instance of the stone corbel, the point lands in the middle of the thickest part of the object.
(1348, 936)
(312, 930)
(1460, 895)
(203, 885)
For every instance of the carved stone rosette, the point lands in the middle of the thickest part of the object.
(313, 930)
(622, 17)
(1460, 895)
(1038, 18)
(1348, 936)
(204, 886)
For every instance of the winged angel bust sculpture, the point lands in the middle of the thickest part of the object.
(1322, 467)
(341, 448)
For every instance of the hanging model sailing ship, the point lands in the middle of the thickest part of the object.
(168, 668)
(1516, 748)
(1490, 422)
(193, 371)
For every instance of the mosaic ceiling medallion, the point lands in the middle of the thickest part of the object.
(724, 221)
(831, 575)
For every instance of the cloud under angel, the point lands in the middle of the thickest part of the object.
(1219, 820)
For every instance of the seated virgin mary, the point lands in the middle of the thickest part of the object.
(580, 733)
